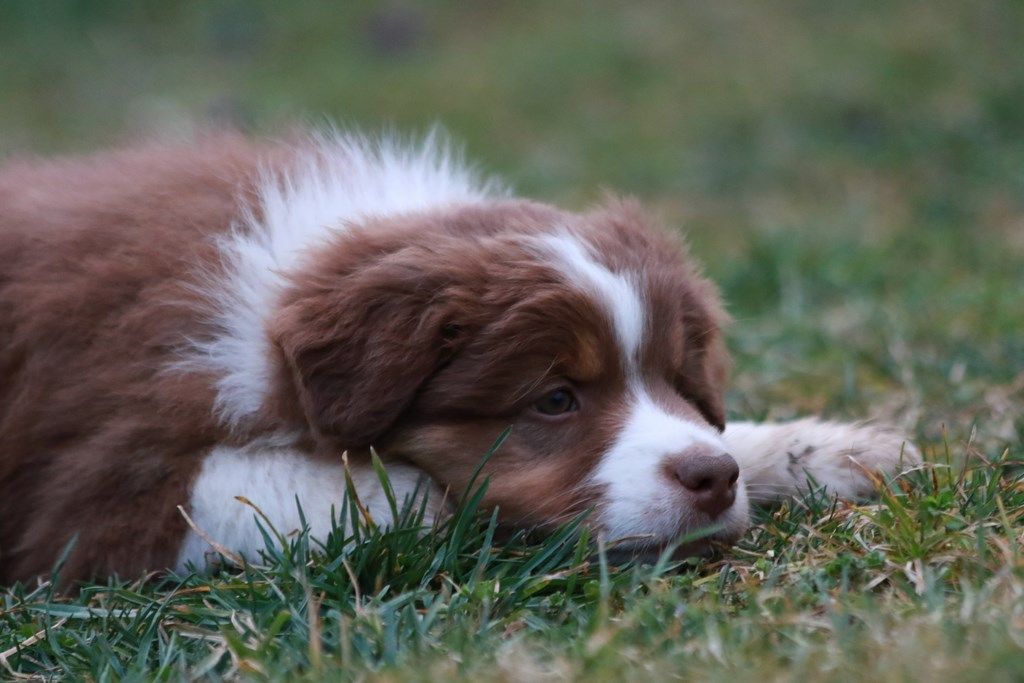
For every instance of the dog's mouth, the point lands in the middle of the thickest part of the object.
(702, 545)
(652, 554)
(706, 542)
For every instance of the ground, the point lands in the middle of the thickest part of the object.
(852, 174)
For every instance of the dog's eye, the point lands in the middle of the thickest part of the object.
(557, 402)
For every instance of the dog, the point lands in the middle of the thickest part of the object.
(184, 324)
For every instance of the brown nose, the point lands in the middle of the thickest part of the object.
(709, 476)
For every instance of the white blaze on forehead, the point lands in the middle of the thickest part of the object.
(615, 292)
(639, 498)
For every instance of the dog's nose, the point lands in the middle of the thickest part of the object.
(709, 477)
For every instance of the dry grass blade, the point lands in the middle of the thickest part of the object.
(233, 557)
(27, 642)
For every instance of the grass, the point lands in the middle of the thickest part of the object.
(923, 584)
(852, 174)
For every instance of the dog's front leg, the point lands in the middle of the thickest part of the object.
(270, 482)
(780, 460)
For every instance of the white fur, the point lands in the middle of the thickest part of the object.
(339, 180)
(616, 292)
(778, 459)
(273, 475)
(640, 499)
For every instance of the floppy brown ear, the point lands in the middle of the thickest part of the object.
(358, 346)
(706, 370)
(706, 362)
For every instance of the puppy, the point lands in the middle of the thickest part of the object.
(180, 325)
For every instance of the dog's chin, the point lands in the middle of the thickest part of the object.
(653, 551)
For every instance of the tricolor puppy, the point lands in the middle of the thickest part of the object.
(183, 325)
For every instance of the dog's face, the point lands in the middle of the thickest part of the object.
(591, 336)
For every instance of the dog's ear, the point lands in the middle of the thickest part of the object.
(706, 361)
(706, 372)
(358, 346)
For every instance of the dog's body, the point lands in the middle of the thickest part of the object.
(183, 325)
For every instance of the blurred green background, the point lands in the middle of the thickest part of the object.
(852, 173)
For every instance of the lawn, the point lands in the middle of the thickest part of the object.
(851, 174)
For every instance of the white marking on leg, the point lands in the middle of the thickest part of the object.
(273, 475)
(778, 459)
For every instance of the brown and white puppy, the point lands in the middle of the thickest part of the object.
(183, 325)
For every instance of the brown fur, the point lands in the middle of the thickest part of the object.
(95, 438)
(414, 334)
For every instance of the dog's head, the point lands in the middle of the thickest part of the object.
(592, 336)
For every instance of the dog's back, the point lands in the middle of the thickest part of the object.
(96, 256)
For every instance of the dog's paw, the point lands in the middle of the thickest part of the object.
(779, 460)
(847, 459)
